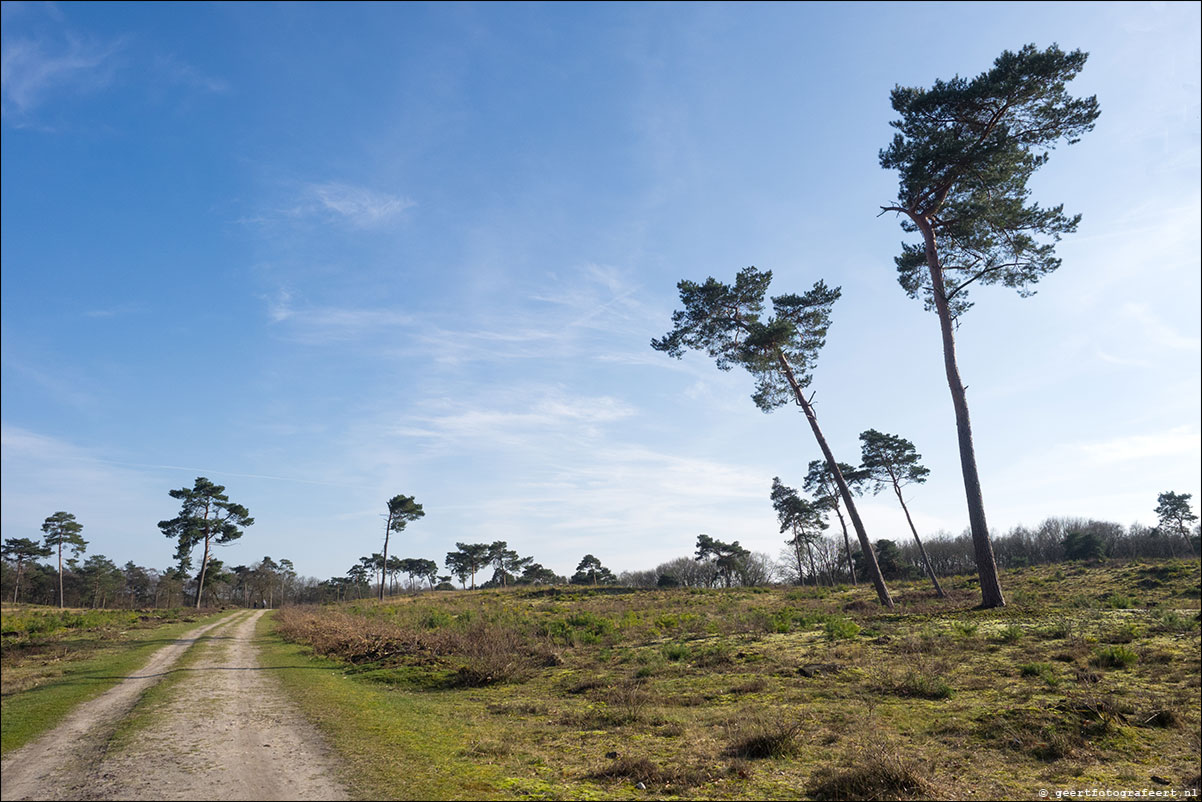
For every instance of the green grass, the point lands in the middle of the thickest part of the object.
(398, 744)
(750, 694)
(48, 671)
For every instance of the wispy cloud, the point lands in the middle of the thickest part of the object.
(332, 202)
(524, 421)
(48, 60)
(33, 70)
(1174, 442)
(561, 473)
(1155, 331)
(359, 205)
(315, 325)
(597, 296)
(590, 312)
(43, 474)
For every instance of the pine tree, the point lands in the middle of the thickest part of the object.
(964, 152)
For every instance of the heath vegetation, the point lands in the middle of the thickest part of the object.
(820, 692)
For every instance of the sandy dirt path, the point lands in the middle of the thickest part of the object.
(224, 732)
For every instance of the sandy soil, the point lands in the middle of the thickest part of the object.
(225, 732)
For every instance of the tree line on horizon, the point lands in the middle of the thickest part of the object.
(98, 582)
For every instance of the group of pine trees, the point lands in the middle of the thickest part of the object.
(888, 462)
(965, 151)
(69, 580)
(207, 519)
(468, 562)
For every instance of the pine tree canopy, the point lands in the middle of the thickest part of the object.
(964, 152)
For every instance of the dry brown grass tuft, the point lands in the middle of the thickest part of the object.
(876, 772)
(761, 735)
(643, 770)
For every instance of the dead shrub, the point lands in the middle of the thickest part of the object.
(483, 654)
(671, 729)
(486, 750)
(1162, 718)
(626, 701)
(490, 654)
(876, 772)
(642, 770)
(761, 736)
(348, 637)
(753, 685)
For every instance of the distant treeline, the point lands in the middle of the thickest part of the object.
(97, 582)
(1055, 540)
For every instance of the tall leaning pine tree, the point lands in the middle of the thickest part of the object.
(401, 510)
(891, 461)
(780, 352)
(964, 152)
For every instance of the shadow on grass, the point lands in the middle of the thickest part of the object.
(86, 678)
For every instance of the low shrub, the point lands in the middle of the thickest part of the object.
(839, 628)
(643, 770)
(676, 651)
(1114, 657)
(1056, 630)
(1011, 634)
(965, 629)
(922, 686)
(1117, 601)
(1044, 671)
(1174, 622)
(763, 736)
(877, 772)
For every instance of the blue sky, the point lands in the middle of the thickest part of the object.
(325, 254)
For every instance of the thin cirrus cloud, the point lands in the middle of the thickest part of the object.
(1177, 441)
(316, 325)
(359, 206)
(33, 70)
(533, 416)
(333, 202)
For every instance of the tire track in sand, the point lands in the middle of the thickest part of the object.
(51, 761)
(225, 732)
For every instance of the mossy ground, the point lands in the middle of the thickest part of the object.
(772, 693)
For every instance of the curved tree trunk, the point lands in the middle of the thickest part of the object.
(991, 588)
(874, 569)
